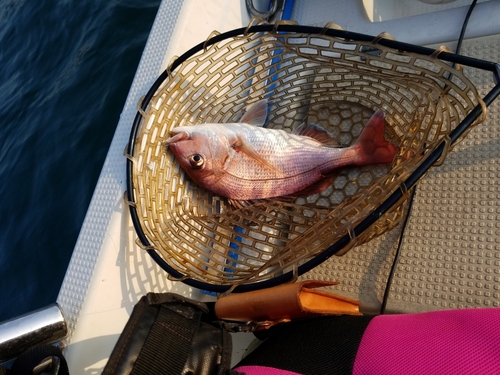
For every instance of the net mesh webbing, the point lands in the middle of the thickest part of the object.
(307, 77)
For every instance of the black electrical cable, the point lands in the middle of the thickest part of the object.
(412, 196)
(398, 252)
(464, 26)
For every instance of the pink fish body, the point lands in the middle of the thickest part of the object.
(243, 161)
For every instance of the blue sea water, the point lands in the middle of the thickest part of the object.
(65, 70)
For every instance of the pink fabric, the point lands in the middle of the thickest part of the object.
(262, 370)
(442, 342)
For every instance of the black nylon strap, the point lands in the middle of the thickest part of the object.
(170, 334)
(26, 362)
(130, 342)
(168, 344)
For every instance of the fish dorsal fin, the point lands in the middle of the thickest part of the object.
(318, 133)
(256, 115)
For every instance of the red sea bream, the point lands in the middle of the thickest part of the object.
(244, 161)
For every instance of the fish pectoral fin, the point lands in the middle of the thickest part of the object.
(240, 205)
(256, 114)
(242, 146)
(318, 133)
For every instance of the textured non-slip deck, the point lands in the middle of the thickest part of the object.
(450, 257)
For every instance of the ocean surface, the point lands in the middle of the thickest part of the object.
(66, 67)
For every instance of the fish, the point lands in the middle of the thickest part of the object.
(246, 162)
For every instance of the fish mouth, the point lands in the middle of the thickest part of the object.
(177, 136)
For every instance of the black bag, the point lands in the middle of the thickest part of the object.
(171, 334)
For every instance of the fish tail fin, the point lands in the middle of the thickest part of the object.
(371, 144)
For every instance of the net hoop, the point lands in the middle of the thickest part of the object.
(306, 72)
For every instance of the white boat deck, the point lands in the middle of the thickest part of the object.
(451, 253)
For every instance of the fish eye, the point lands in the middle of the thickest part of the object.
(196, 161)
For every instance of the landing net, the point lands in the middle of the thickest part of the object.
(326, 76)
